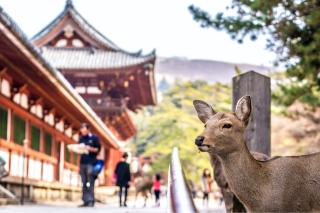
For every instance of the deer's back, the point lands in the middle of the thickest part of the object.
(143, 185)
(292, 183)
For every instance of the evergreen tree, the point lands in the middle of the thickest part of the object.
(293, 27)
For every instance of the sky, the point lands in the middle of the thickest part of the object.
(164, 25)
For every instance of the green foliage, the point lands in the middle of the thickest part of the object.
(286, 93)
(293, 27)
(174, 123)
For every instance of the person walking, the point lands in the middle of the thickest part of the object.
(157, 188)
(123, 177)
(206, 186)
(87, 161)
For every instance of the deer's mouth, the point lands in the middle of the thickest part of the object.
(204, 148)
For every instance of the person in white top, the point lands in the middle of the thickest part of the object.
(206, 180)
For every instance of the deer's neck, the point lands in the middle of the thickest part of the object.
(243, 173)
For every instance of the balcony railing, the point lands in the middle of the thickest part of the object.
(107, 105)
(178, 194)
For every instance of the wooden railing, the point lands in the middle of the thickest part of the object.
(71, 167)
(11, 146)
(179, 199)
(107, 104)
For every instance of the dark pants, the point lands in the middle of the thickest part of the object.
(125, 194)
(87, 183)
(157, 195)
(205, 195)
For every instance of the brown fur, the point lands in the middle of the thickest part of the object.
(232, 203)
(143, 185)
(282, 184)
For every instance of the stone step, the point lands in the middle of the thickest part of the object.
(8, 201)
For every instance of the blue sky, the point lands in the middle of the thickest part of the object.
(164, 25)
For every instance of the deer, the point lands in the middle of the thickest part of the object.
(280, 184)
(231, 202)
(143, 185)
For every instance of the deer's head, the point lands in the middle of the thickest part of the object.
(222, 130)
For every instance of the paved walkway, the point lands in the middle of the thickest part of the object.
(99, 208)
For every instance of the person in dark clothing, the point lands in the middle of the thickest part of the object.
(86, 164)
(123, 176)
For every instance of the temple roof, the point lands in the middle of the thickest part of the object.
(76, 48)
(91, 58)
(82, 23)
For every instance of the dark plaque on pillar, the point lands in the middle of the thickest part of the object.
(257, 86)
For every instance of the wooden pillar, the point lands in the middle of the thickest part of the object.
(61, 161)
(257, 86)
(27, 140)
(112, 157)
(106, 167)
(10, 135)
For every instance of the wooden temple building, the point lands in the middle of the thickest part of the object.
(66, 74)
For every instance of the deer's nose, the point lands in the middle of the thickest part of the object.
(199, 140)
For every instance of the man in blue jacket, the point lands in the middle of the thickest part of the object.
(86, 164)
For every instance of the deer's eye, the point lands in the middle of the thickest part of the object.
(227, 126)
(205, 126)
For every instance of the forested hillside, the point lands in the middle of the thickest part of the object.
(173, 122)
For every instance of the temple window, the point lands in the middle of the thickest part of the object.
(62, 43)
(3, 123)
(67, 154)
(77, 43)
(48, 144)
(35, 138)
(19, 129)
(75, 159)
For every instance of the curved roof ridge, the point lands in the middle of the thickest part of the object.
(79, 18)
(84, 25)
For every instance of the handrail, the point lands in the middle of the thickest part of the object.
(179, 199)
(107, 103)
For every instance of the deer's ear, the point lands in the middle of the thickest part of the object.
(243, 109)
(204, 110)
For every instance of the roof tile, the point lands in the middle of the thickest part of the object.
(88, 58)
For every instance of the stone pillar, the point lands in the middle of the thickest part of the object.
(257, 86)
